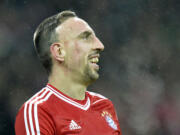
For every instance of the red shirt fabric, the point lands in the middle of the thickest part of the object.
(51, 112)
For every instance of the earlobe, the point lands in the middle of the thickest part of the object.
(57, 51)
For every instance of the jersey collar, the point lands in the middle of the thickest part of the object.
(82, 104)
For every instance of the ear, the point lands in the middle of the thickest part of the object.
(57, 51)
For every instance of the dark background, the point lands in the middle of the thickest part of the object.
(140, 67)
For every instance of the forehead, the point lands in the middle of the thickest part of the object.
(73, 27)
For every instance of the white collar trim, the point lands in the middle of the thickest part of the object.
(62, 97)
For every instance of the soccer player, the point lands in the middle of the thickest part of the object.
(69, 50)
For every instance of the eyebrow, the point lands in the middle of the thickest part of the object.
(85, 34)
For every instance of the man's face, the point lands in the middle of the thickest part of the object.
(82, 49)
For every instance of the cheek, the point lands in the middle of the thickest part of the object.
(77, 50)
(80, 51)
(81, 54)
(78, 54)
(81, 48)
(74, 55)
(77, 47)
(73, 52)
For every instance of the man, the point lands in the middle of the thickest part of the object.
(69, 50)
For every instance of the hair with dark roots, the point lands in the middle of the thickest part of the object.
(45, 36)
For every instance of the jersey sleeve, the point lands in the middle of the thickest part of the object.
(106, 107)
(32, 119)
(114, 115)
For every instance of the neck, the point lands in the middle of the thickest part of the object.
(64, 82)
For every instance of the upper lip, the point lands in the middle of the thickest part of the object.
(93, 56)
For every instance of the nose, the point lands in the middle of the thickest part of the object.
(98, 45)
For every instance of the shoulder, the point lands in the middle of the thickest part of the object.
(38, 99)
(33, 113)
(94, 94)
(98, 98)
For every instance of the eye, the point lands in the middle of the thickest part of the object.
(86, 35)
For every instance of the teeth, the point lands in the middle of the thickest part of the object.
(94, 60)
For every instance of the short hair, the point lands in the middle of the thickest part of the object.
(45, 36)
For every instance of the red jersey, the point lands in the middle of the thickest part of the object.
(51, 112)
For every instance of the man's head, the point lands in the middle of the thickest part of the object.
(45, 36)
(71, 45)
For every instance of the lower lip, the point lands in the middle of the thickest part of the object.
(96, 66)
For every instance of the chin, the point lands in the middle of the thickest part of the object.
(91, 75)
(94, 78)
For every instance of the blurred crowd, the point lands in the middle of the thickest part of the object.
(139, 66)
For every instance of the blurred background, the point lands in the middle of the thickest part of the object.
(140, 66)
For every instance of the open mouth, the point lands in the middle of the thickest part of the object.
(94, 60)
